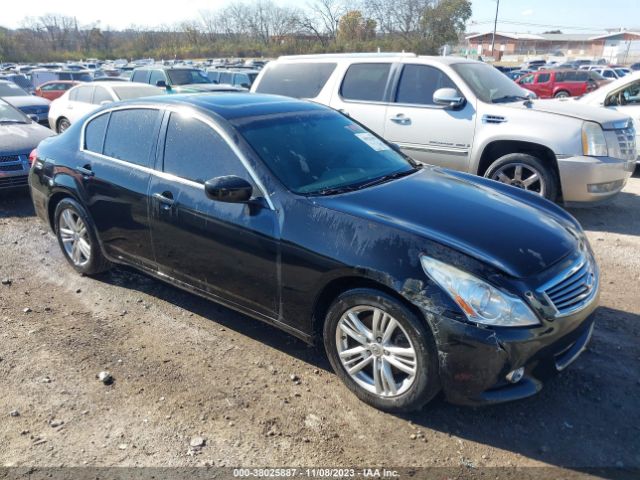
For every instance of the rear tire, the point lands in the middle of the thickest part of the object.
(62, 124)
(77, 239)
(562, 94)
(393, 366)
(527, 172)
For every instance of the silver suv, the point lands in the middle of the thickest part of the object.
(466, 115)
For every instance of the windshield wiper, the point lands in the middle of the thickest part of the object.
(8, 120)
(368, 183)
(509, 98)
(385, 178)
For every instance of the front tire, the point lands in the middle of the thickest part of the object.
(527, 172)
(77, 238)
(562, 94)
(381, 350)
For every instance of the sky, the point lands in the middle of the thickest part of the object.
(570, 16)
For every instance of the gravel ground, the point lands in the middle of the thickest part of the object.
(185, 368)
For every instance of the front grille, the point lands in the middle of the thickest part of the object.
(574, 288)
(627, 141)
(11, 167)
(21, 181)
(9, 158)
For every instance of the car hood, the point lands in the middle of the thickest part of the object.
(570, 108)
(519, 238)
(21, 138)
(27, 101)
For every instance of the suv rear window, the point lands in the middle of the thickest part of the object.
(298, 80)
(365, 81)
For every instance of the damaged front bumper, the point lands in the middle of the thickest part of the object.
(474, 361)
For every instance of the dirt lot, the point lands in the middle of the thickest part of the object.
(185, 367)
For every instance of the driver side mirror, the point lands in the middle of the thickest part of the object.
(33, 118)
(161, 84)
(449, 97)
(230, 189)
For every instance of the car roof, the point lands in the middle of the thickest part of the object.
(166, 67)
(231, 105)
(398, 57)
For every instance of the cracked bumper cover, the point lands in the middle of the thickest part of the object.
(474, 361)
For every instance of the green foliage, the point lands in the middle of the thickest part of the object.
(260, 29)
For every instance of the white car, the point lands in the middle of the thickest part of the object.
(85, 98)
(622, 95)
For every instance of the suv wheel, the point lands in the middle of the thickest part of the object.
(527, 172)
(381, 351)
(562, 94)
(77, 239)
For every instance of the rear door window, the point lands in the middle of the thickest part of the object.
(226, 77)
(365, 82)
(298, 80)
(131, 135)
(194, 151)
(418, 83)
(101, 95)
(84, 94)
(543, 78)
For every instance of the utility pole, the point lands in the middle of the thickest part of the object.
(495, 25)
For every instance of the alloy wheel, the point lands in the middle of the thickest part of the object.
(75, 237)
(376, 351)
(521, 176)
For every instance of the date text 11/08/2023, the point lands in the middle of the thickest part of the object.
(316, 472)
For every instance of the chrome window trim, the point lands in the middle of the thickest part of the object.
(168, 176)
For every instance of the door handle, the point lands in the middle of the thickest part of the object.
(400, 119)
(86, 171)
(165, 199)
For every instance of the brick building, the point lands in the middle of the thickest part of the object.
(615, 47)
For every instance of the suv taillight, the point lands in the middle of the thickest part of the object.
(33, 156)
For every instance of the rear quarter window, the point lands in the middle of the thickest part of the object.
(94, 133)
(298, 80)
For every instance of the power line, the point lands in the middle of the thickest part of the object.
(530, 24)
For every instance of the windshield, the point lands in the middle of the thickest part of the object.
(10, 89)
(8, 114)
(321, 152)
(124, 93)
(186, 77)
(488, 84)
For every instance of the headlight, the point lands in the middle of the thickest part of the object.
(481, 302)
(594, 142)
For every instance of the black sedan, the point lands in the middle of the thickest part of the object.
(416, 279)
(19, 135)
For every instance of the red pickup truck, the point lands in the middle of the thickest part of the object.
(558, 83)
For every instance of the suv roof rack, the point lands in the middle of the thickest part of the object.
(352, 55)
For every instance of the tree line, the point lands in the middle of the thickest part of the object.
(260, 28)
